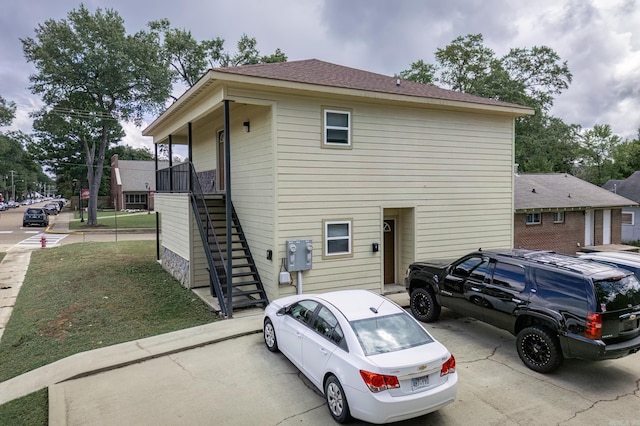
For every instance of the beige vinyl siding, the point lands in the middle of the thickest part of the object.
(175, 214)
(199, 267)
(454, 168)
(252, 187)
(204, 151)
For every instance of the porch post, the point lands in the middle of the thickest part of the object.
(170, 165)
(190, 154)
(155, 177)
(227, 179)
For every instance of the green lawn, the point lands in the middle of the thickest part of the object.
(116, 220)
(85, 296)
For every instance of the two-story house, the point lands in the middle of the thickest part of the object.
(362, 173)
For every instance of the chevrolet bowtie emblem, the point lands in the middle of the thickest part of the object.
(422, 367)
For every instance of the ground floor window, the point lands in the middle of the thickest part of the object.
(533, 219)
(337, 238)
(135, 198)
(628, 218)
(558, 217)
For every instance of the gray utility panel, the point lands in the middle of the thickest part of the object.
(299, 255)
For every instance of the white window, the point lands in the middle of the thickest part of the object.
(558, 217)
(337, 128)
(337, 238)
(533, 219)
(628, 218)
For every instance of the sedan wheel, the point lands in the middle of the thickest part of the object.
(336, 400)
(269, 334)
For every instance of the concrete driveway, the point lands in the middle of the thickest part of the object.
(239, 382)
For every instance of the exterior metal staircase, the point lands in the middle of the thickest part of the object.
(246, 289)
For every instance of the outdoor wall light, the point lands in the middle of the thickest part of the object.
(247, 126)
(269, 254)
(375, 247)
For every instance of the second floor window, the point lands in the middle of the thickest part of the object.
(337, 128)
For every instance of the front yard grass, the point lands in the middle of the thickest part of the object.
(80, 297)
(116, 220)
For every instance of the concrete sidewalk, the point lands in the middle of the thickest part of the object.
(128, 353)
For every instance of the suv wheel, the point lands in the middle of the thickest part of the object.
(539, 349)
(424, 305)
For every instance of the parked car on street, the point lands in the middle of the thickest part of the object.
(35, 216)
(3, 206)
(558, 306)
(52, 208)
(367, 355)
(13, 204)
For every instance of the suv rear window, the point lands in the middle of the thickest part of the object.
(618, 293)
(34, 211)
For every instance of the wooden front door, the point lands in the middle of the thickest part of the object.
(389, 230)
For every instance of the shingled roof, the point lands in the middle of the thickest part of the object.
(562, 191)
(628, 188)
(316, 72)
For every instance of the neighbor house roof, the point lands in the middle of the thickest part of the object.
(562, 191)
(134, 174)
(628, 188)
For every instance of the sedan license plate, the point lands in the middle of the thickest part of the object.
(419, 382)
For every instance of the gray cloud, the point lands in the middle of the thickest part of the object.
(599, 39)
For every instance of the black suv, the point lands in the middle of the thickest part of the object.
(558, 306)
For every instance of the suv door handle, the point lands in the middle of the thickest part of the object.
(516, 300)
(475, 289)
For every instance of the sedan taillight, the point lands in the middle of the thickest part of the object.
(379, 382)
(448, 367)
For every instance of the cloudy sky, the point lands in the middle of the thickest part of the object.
(600, 39)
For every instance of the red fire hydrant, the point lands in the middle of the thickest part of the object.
(43, 241)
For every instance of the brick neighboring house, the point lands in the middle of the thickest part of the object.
(562, 213)
(628, 188)
(132, 183)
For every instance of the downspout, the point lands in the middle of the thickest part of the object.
(227, 186)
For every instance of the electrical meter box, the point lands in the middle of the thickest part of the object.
(299, 255)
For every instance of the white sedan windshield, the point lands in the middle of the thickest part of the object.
(389, 333)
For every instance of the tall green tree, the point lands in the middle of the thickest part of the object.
(7, 111)
(20, 172)
(529, 77)
(597, 146)
(92, 75)
(189, 58)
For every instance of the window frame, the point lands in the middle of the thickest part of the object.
(556, 218)
(326, 127)
(633, 218)
(533, 215)
(325, 238)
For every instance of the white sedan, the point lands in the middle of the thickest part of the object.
(371, 359)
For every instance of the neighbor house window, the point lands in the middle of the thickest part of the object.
(135, 198)
(337, 238)
(628, 218)
(533, 219)
(558, 217)
(337, 128)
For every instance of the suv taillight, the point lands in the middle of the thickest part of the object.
(593, 328)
